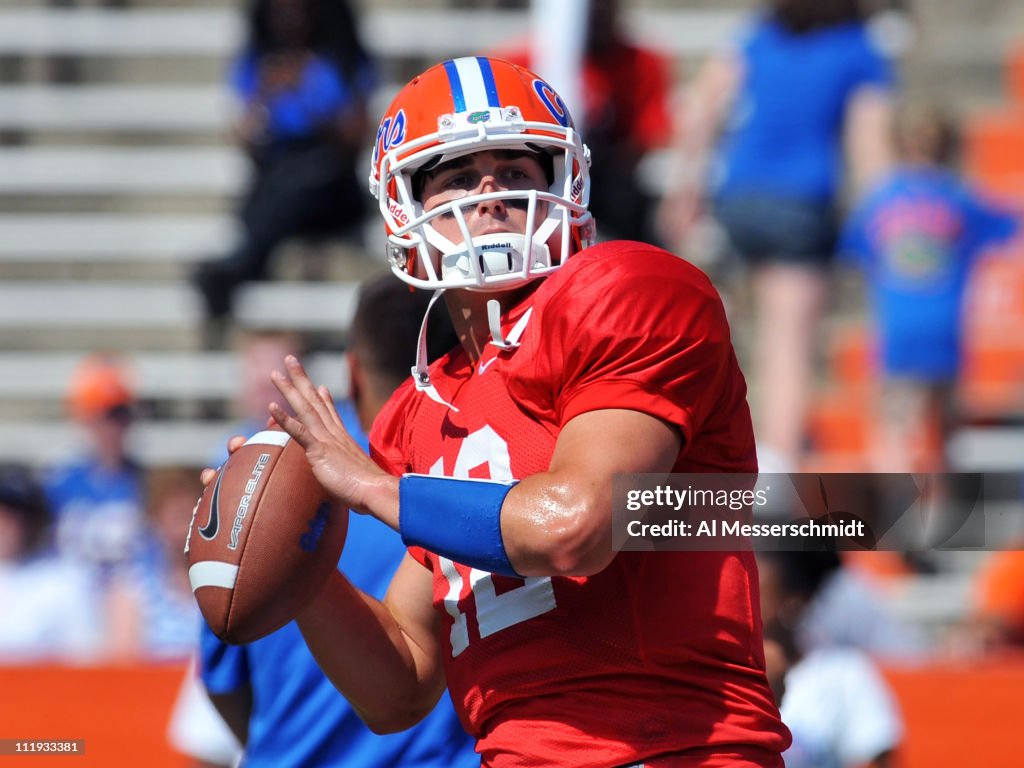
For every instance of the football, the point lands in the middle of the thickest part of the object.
(262, 540)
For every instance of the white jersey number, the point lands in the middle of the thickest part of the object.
(485, 452)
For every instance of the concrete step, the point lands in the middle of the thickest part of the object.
(44, 376)
(410, 31)
(146, 108)
(51, 305)
(113, 237)
(105, 170)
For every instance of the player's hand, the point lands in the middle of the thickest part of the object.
(234, 443)
(344, 470)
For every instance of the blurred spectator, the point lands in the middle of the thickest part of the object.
(51, 607)
(260, 352)
(197, 730)
(97, 498)
(302, 80)
(626, 113)
(845, 609)
(153, 613)
(917, 236)
(271, 692)
(805, 77)
(196, 727)
(838, 707)
(997, 620)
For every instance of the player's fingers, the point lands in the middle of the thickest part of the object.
(291, 425)
(207, 475)
(305, 386)
(305, 411)
(325, 396)
(235, 442)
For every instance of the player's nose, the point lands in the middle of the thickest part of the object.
(495, 205)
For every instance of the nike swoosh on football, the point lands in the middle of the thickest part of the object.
(209, 531)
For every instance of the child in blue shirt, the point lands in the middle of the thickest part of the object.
(917, 236)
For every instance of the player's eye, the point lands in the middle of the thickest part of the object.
(518, 176)
(457, 180)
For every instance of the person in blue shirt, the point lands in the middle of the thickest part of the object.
(52, 609)
(151, 612)
(301, 82)
(97, 496)
(762, 135)
(271, 692)
(917, 236)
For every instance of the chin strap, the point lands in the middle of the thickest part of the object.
(420, 375)
(494, 321)
(420, 372)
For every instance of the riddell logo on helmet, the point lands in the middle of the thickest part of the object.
(396, 210)
(577, 188)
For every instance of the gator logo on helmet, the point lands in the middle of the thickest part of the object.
(552, 101)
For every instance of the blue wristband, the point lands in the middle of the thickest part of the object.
(457, 519)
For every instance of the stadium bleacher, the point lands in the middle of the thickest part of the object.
(116, 174)
(127, 164)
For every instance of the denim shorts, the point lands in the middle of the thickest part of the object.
(764, 228)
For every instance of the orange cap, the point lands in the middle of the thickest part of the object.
(1000, 589)
(98, 385)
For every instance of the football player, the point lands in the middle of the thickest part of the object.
(577, 361)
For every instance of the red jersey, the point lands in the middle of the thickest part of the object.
(660, 653)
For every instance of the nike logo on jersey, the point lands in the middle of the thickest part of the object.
(209, 531)
(484, 366)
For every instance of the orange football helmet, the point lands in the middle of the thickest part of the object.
(468, 105)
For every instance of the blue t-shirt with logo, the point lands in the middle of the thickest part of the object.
(298, 717)
(784, 134)
(98, 511)
(916, 236)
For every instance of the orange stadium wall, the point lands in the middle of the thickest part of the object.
(961, 714)
(956, 714)
(121, 712)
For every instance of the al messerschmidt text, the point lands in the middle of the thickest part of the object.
(681, 528)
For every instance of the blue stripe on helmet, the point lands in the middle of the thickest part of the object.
(489, 85)
(456, 84)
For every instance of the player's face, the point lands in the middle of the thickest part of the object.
(13, 538)
(480, 173)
